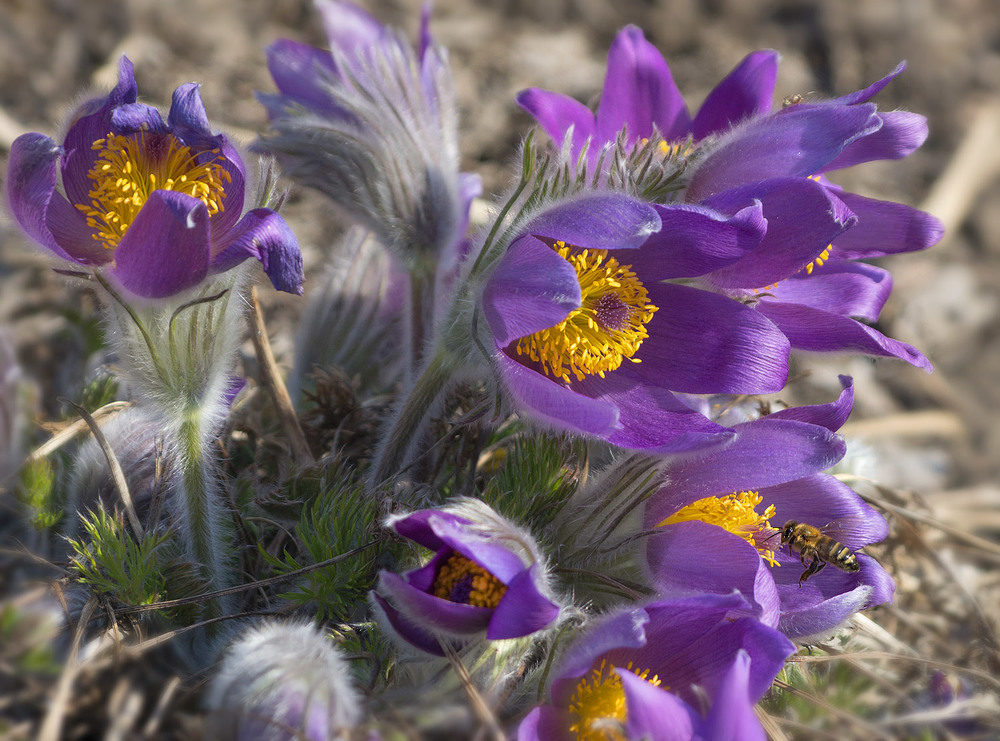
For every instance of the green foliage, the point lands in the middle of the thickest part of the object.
(37, 491)
(26, 641)
(535, 478)
(338, 517)
(99, 392)
(111, 562)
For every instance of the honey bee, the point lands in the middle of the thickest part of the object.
(810, 543)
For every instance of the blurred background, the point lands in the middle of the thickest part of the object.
(932, 442)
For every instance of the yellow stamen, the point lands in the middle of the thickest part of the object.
(130, 167)
(597, 707)
(462, 580)
(737, 513)
(608, 327)
(823, 256)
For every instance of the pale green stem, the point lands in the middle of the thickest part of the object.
(409, 424)
(205, 541)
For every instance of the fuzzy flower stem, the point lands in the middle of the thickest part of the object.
(399, 442)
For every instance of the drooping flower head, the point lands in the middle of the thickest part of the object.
(675, 669)
(738, 152)
(283, 681)
(718, 517)
(157, 205)
(487, 576)
(372, 124)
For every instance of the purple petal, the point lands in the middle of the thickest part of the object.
(482, 548)
(901, 134)
(653, 713)
(533, 288)
(93, 122)
(797, 142)
(639, 92)
(848, 594)
(554, 404)
(435, 614)
(299, 72)
(651, 418)
(732, 715)
(746, 91)
(871, 91)
(406, 629)
(264, 235)
(831, 416)
(702, 343)
(523, 610)
(766, 452)
(625, 629)
(803, 218)
(40, 210)
(165, 249)
(349, 28)
(885, 228)
(597, 222)
(688, 558)
(850, 289)
(416, 526)
(693, 241)
(820, 331)
(133, 117)
(556, 113)
(691, 644)
(544, 723)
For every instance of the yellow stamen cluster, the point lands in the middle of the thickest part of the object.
(460, 579)
(608, 327)
(130, 167)
(597, 706)
(736, 512)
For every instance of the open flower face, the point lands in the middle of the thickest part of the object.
(675, 669)
(590, 338)
(803, 276)
(156, 204)
(718, 521)
(485, 577)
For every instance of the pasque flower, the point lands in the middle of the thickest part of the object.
(688, 668)
(738, 152)
(486, 577)
(717, 516)
(280, 682)
(157, 205)
(372, 124)
(589, 337)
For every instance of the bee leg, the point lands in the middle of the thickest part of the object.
(813, 568)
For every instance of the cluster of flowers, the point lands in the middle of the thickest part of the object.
(648, 269)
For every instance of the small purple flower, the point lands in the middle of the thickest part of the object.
(802, 276)
(486, 575)
(590, 338)
(687, 668)
(156, 204)
(718, 517)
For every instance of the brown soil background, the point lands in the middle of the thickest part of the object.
(933, 439)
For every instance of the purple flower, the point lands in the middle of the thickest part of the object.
(589, 338)
(157, 205)
(802, 275)
(718, 514)
(675, 669)
(486, 575)
(372, 124)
